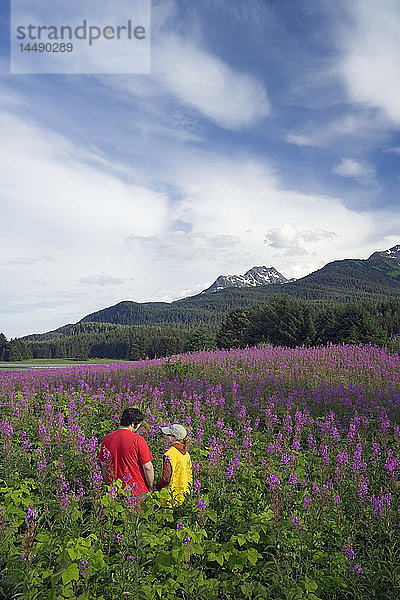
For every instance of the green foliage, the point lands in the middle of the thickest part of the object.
(286, 321)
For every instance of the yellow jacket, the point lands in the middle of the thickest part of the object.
(177, 475)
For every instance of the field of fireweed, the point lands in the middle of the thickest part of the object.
(296, 458)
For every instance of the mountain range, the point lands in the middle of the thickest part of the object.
(376, 278)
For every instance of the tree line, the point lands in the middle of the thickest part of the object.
(281, 320)
(288, 321)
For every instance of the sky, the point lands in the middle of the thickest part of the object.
(267, 133)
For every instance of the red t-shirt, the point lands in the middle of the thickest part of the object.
(125, 452)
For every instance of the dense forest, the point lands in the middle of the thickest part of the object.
(282, 320)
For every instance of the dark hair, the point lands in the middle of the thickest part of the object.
(131, 415)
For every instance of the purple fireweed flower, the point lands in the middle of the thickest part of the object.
(297, 523)
(308, 502)
(312, 441)
(201, 504)
(179, 525)
(376, 449)
(296, 446)
(26, 445)
(323, 452)
(42, 467)
(31, 513)
(129, 557)
(233, 465)
(6, 429)
(97, 478)
(381, 504)
(293, 479)
(186, 540)
(287, 459)
(105, 454)
(91, 446)
(352, 431)
(392, 463)
(113, 493)
(215, 455)
(273, 481)
(84, 568)
(229, 432)
(80, 494)
(349, 553)
(334, 434)
(196, 486)
(337, 499)
(363, 486)
(342, 458)
(357, 569)
(315, 489)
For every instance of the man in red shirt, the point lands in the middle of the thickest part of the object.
(125, 455)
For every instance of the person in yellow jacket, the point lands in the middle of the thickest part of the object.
(176, 477)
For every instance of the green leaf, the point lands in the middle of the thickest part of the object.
(196, 548)
(310, 584)
(72, 554)
(98, 559)
(68, 592)
(212, 515)
(252, 556)
(71, 573)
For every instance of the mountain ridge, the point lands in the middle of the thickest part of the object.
(375, 278)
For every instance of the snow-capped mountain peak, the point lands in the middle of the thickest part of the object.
(254, 277)
(393, 253)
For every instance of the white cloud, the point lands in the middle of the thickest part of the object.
(102, 280)
(198, 247)
(185, 71)
(317, 235)
(231, 99)
(289, 237)
(356, 169)
(282, 237)
(370, 47)
(366, 125)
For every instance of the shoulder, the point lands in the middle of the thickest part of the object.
(140, 442)
(108, 437)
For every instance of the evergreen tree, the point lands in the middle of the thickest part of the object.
(3, 346)
(200, 339)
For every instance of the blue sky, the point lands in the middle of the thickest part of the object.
(267, 133)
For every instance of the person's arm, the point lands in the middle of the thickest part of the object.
(148, 471)
(165, 475)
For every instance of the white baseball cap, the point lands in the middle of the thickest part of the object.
(176, 430)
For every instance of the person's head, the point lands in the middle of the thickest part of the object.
(131, 416)
(175, 433)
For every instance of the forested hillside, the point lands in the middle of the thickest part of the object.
(236, 317)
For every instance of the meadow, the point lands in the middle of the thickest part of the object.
(296, 456)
